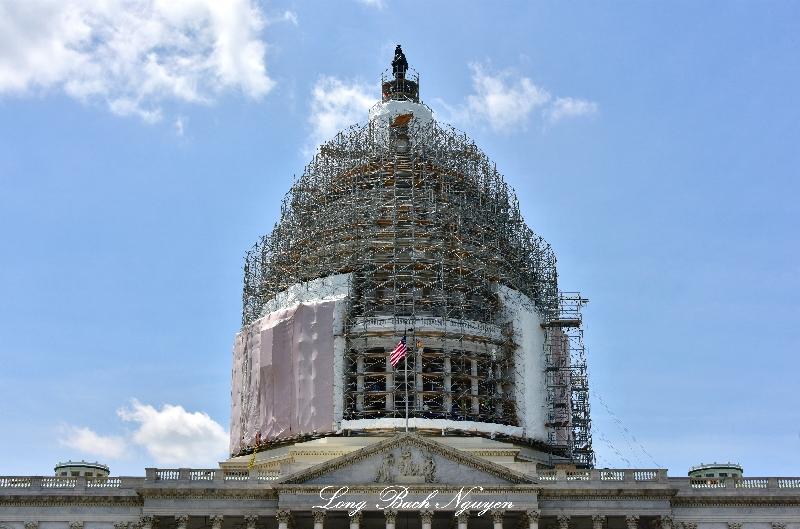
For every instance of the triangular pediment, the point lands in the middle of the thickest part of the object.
(407, 459)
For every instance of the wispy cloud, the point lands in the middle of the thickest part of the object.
(377, 4)
(569, 107)
(507, 101)
(290, 16)
(134, 55)
(336, 104)
(86, 441)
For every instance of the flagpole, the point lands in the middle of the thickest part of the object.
(405, 373)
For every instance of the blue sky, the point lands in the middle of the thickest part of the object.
(145, 148)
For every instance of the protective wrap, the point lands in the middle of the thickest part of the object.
(282, 380)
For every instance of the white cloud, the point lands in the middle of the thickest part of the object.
(377, 4)
(568, 107)
(290, 16)
(174, 436)
(504, 102)
(507, 101)
(134, 54)
(87, 441)
(179, 126)
(336, 104)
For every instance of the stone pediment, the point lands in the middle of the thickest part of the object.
(407, 459)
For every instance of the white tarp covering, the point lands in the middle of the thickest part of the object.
(386, 111)
(283, 367)
(529, 385)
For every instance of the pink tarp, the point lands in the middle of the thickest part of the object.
(282, 383)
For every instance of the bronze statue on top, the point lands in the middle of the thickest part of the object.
(399, 63)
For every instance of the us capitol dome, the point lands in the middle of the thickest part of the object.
(402, 227)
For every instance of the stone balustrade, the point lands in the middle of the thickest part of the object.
(219, 477)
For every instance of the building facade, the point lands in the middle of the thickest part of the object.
(402, 232)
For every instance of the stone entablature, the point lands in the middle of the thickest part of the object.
(428, 481)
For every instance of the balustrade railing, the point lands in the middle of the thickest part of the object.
(103, 483)
(14, 482)
(202, 474)
(167, 474)
(577, 477)
(237, 475)
(59, 482)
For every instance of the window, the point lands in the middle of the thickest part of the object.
(723, 474)
(74, 474)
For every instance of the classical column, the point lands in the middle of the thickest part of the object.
(284, 517)
(497, 518)
(251, 520)
(427, 519)
(355, 520)
(462, 519)
(31, 525)
(563, 522)
(216, 521)
(181, 521)
(533, 518)
(391, 518)
(598, 521)
(448, 381)
(734, 525)
(319, 518)
(632, 522)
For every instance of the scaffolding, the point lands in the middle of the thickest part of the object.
(428, 229)
(567, 381)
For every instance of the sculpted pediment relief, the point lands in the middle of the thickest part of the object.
(407, 459)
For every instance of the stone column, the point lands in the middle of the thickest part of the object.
(148, 522)
(448, 381)
(563, 522)
(216, 521)
(462, 520)
(391, 518)
(476, 407)
(355, 520)
(632, 522)
(284, 517)
(427, 519)
(533, 518)
(319, 518)
(360, 383)
(497, 518)
(251, 520)
(181, 521)
(598, 521)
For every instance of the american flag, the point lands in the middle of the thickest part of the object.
(399, 352)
